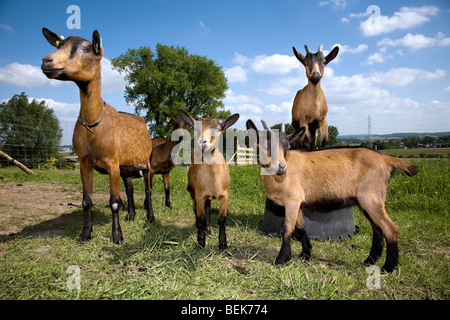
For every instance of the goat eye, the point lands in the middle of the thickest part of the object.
(86, 49)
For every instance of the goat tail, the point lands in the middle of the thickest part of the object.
(407, 167)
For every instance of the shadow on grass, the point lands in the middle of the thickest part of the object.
(68, 225)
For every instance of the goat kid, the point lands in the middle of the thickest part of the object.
(210, 178)
(161, 163)
(106, 140)
(310, 108)
(327, 180)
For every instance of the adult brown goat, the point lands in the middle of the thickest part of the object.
(310, 108)
(106, 140)
(161, 163)
(327, 180)
(208, 175)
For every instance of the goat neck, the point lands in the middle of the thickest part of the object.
(91, 99)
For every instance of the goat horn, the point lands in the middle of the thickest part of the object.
(265, 125)
(282, 127)
(307, 49)
(321, 47)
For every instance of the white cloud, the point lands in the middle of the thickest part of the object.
(284, 87)
(416, 41)
(236, 74)
(406, 18)
(24, 75)
(343, 48)
(345, 20)
(112, 80)
(400, 77)
(240, 59)
(447, 90)
(60, 108)
(379, 56)
(232, 98)
(334, 4)
(274, 64)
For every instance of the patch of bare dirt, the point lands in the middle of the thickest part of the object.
(29, 203)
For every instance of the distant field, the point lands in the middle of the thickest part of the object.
(415, 153)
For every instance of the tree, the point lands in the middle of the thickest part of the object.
(29, 131)
(411, 141)
(333, 132)
(170, 80)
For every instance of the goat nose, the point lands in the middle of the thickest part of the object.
(315, 74)
(47, 60)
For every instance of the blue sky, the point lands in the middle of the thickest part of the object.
(393, 62)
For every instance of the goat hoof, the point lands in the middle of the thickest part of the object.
(208, 231)
(201, 244)
(129, 217)
(119, 240)
(150, 219)
(222, 246)
(169, 205)
(305, 256)
(387, 268)
(84, 238)
(370, 261)
(281, 260)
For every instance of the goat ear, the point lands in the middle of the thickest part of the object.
(299, 56)
(332, 55)
(296, 135)
(186, 118)
(97, 43)
(252, 130)
(51, 37)
(229, 121)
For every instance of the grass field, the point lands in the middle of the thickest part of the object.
(41, 219)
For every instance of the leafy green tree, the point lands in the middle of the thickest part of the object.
(333, 132)
(29, 131)
(411, 141)
(169, 80)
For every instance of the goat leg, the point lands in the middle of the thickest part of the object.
(87, 174)
(201, 223)
(167, 189)
(290, 220)
(301, 235)
(377, 246)
(148, 196)
(208, 216)
(114, 183)
(130, 197)
(222, 221)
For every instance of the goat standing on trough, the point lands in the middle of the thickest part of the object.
(328, 180)
(310, 108)
(208, 176)
(160, 162)
(106, 140)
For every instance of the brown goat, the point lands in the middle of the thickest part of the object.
(310, 108)
(327, 180)
(106, 140)
(161, 163)
(208, 176)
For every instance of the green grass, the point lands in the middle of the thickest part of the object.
(162, 260)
